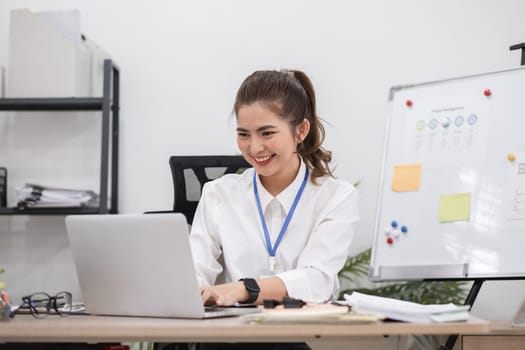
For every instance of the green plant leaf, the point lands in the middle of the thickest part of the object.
(423, 292)
(2, 284)
(356, 266)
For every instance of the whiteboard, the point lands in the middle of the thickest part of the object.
(453, 178)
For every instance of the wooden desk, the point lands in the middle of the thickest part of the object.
(93, 329)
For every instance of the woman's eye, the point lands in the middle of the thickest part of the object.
(242, 134)
(268, 133)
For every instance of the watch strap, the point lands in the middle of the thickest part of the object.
(252, 288)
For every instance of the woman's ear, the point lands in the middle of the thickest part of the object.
(302, 130)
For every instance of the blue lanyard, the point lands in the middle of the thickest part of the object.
(271, 250)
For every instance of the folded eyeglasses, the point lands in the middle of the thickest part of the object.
(41, 304)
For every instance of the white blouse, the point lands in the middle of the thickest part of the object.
(227, 238)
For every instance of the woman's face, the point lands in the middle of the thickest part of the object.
(267, 142)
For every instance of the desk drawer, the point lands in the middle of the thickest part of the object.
(491, 342)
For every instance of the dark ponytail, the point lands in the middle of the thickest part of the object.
(314, 155)
(290, 94)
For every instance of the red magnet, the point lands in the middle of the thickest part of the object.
(409, 103)
(389, 240)
(487, 92)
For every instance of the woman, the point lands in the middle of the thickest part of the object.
(283, 227)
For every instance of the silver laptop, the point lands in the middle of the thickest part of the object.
(138, 265)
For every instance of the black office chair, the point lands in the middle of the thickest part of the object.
(190, 173)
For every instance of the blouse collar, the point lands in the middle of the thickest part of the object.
(287, 196)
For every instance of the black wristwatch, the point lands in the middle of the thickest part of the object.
(252, 288)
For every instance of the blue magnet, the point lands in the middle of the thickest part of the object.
(404, 229)
(394, 224)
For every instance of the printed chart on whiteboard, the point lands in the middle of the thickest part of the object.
(447, 130)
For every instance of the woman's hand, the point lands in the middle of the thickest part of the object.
(230, 293)
(227, 294)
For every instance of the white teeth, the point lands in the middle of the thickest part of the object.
(263, 159)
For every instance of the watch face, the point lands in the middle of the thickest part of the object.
(251, 285)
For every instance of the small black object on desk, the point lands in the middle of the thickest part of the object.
(288, 303)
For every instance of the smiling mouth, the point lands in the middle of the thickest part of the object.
(263, 160)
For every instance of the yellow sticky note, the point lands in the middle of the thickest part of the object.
(406, 177)
(454, 207)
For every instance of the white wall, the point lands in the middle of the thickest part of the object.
(182, 61)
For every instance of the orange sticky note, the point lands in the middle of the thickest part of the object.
(406, 177)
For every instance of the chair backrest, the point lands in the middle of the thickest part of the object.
(190, 173)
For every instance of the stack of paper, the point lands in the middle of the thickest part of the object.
(407, 311)
(310, 313)
(36, 196)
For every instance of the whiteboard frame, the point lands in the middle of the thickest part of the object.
(421, 272)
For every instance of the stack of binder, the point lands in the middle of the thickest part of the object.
(37, 196)
(3, 187)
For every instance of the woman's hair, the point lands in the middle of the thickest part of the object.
(290, 94)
